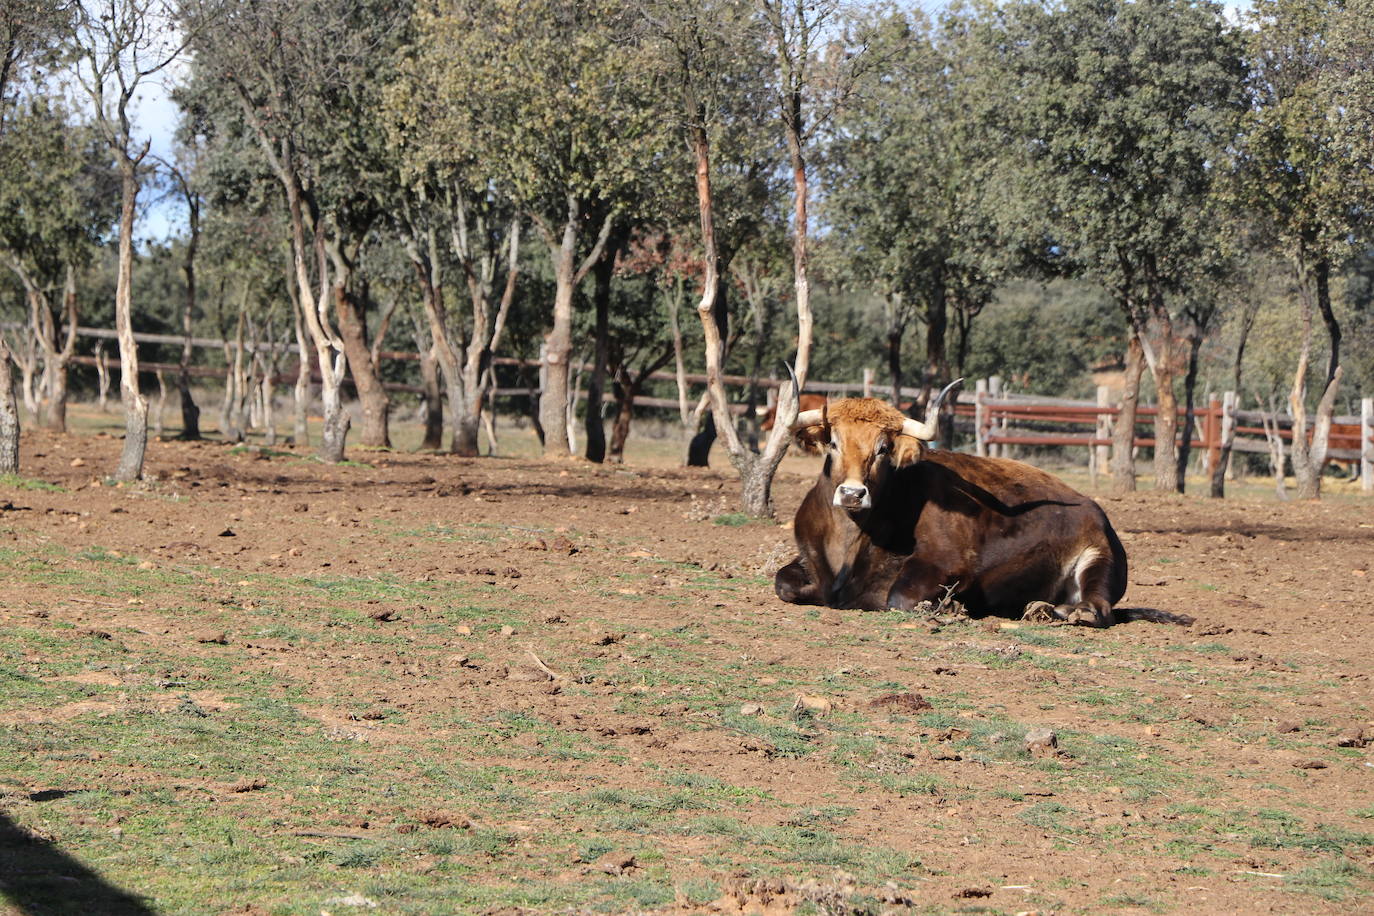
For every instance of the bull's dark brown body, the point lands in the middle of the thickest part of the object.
(1002, 533)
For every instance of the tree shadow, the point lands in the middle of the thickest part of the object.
(39, 879)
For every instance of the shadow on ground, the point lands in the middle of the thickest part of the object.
(40, 879)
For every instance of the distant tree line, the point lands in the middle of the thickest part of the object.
(1026, 188)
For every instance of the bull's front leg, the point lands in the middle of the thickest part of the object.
(919, 580)
(795, 584)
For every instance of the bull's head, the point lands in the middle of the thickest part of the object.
(864, 440)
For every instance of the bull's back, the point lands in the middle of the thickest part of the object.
(1019, 527)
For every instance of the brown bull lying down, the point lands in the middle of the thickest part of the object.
(890, 524)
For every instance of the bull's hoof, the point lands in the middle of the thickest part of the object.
(1082, 615)
(1040, 612)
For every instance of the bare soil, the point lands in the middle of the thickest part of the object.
(256, 683)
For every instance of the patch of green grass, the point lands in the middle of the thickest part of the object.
(17, 482)
(1050, 816)
(732, 519)
(1202, 648)
(1284, 830)
(1131, 901)
(260, 451)
(711, 787)
(1332, 879)
(643, 801)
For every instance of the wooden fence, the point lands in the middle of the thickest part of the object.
(998, 420)
(1001, 421)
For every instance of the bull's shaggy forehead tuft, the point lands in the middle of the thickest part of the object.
(865, 411)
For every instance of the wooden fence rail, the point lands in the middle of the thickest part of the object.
(990, 413)
(1351, 438)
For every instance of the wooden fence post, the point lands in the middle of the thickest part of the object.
(1211, 433)
(995, 392)
(980, 416)
(1366, 447)
(868, 383)
(1103, 428)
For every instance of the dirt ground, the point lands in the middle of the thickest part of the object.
(420, 684)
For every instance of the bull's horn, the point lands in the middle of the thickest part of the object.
(927, 430)
(807, 417)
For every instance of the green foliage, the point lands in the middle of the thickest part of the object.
(1113, 113)
(57, 191)
(563, 107)
(1045, 338)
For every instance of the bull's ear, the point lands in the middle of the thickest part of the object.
(811, 436)
(906, 450)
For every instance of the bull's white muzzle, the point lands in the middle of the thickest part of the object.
(848, 496)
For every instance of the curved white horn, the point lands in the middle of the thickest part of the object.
(918, 430)
(809, 418)
(927, 430)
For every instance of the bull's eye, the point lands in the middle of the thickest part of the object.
(883, 448)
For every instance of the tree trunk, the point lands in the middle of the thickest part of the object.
(1219, 472)
(1123, 433)
(53, 412)
(699, 448)
(350, 309)
(229, 426)
(1166, 423)
(9, 415)
(466, 434)
(190, 412)
(1270, 421)
(267, 388)
(102, 372)
(554, 400)
(329, 349)
(1322, 276)
(27, 370)
(161, 404)
(135, 405)
(300, 420)
(596, 384)
(627, 390)
(53, 407)
(433, 391)
(756, 471)
(336, 423)
(1310, 457)
(1185, 445)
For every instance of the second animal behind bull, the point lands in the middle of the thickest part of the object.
(891, 523)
